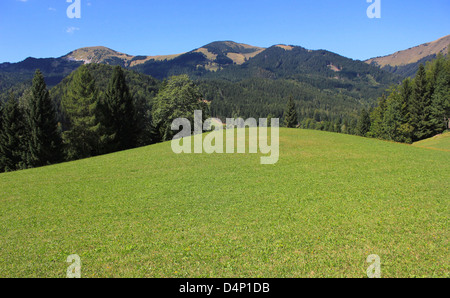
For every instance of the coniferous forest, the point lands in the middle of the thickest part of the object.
(414, 110)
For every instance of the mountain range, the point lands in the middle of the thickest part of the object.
(246, 80)
(219, 54)
(213, 57)
(207, 61)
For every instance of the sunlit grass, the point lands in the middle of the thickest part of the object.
(330, 201)
(440, 142)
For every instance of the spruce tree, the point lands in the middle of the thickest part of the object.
(376, 119)
(121, 129)
(420, 108)
(290, 114)
(45, 144)
(1, 114)
(13, 137)
(80, 106)
(405, 129)
(363, 125)
(419, 91)
(440, 105)
(392, 117)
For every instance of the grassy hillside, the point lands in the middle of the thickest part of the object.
(440, 142)
(330, 202)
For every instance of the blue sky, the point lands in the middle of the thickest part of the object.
(41, 28)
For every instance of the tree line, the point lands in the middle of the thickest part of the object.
(416, 109)
(35, 131)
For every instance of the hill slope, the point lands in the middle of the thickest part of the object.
(54, 69)
(329, 202)
(212, 56)
(440, 142)
(321, 82)
(103, 55)
(406, 62)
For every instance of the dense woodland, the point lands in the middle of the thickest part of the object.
(97, 110)
(417, 109)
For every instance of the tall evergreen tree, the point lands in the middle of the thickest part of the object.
(119, 115)
(45, 146)
(376, 119)
(290, 115)
(440, 105)
(345, 125)
(420, 112)
(1, 114)
(13, 137)
(80, 106)
(419, 91)
(363, 125)
(392, 117)
(405, 129)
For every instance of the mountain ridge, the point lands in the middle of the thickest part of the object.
(236, 79)
(237, 52)
(221, 60)
(405, 62)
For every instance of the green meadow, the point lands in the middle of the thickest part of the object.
(330, 202)
(439, 142)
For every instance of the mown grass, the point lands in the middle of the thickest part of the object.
(331, 201)
(440, 142)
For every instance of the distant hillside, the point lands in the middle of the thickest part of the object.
(228, 52)
(406, 62)
(238, 79)
(212, 57)
(54, 69)
(99, 55)
(326, 86)
(103, 55)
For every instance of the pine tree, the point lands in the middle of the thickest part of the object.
(363, 126)
(440, 105)
(420, 112)
(405, 129)
(45, 146)
(419, 91)
(345, 125)
(119, 115)
(13, 137)
(1, 114)
(392, 117)
(376, 119)
(80, 105)
(290, 115)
